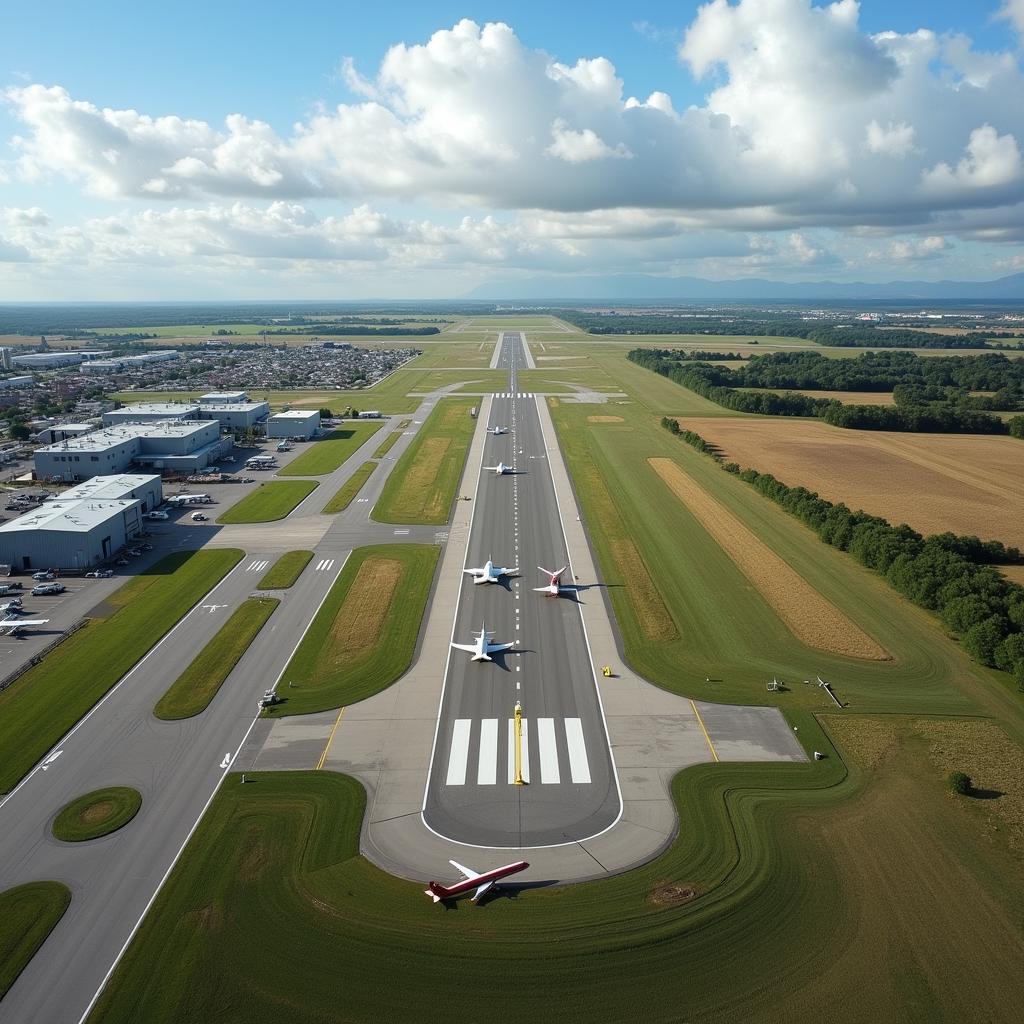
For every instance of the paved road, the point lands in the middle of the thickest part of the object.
(572, 793)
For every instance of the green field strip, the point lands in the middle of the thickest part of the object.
(387, 444)
(28, 913)
(350, 488)
(363, 637)
(327, 454)
(285, 571)
(44, 703)
(421, 487)
(269, 502)
(191, 693)
(96, 814)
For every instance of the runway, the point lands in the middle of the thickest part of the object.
(571, 792)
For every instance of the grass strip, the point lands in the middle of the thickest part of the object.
(387, 444)
(421, 487)
(44, 703)
(269, 502)
(327, 454)
(28, 913)
(193, 690)
(350, 488)
(285, 571)
(363, 637)
(96, 814)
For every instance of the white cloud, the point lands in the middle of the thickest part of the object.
(577, 147)
(992, 161)
(893, 140)
(1013, 11)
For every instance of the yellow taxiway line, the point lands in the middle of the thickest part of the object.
(330, 740)
(703, 729)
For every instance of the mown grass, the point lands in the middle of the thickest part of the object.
(787, 923)
(285, 571)
(269, 502)
(28, 913)
(350, 488)
(421, 487)
(364, 635)
(387, 444)
(96, 814)
(192, 692)
(42, 705)
(327, 454)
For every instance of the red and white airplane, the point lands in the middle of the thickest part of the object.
(554, 587)
(482, 882)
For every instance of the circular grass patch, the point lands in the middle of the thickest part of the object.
(97, 814)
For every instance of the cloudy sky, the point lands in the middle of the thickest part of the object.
(317, 149)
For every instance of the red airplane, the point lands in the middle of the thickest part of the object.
(474, 880)
(554, 587)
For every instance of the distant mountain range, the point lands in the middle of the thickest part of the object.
(641, 287)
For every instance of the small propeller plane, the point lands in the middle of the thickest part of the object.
(491, 573)
(483, 882)
(482, 648)
(495, 431)
(500, 469)
(554, 587)
(13, 627)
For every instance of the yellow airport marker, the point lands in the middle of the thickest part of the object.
(519, 780)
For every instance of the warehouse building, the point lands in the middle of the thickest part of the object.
(11, 383)
(120, 363)
(236, 415)
(84, 526)
(150, 412)
(46, 360)
(223, 398)
(299, 423)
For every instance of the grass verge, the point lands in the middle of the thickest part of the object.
(327, 454)
(350, 488)
(44, 703)
(285, 571)
(28, 913)
(421, 487)
(193, 690)
(387, 444)
(363, 637)
(269, 501)
(96, 814)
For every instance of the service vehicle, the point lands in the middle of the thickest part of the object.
(46, 574)
(46, 589)
(99, 574)
(157, 514)
(199, 517)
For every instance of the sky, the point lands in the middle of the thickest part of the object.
(408, 150)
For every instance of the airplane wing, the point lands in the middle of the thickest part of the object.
(486, 887)
(468, 872)
(473, 572)
(493, 648)
(465, 647)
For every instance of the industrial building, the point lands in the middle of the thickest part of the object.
(129, 362)
(232, 415)
(85, 525)
(6, 354)
(47, 360)
(10, 383)
(299, 423)
(150, 412)
(236, 415)
(223, 398)
(62, 431)
(182, 446)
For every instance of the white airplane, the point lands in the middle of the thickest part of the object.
(12, 627)
(554, 587)
(10, 608)
(490, 573)
(482, 649)
(497, 430)
(499, 469)
(481, 881)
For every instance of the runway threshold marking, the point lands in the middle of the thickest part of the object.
(579, 766)
(458, 755)
(330, 740)
(703, 729)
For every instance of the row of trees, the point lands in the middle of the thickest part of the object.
(948, 574)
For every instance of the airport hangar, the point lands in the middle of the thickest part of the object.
(298, 423)
(232, 415)
(86, 525)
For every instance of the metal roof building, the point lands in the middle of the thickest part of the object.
(150, 412)
(297, 423)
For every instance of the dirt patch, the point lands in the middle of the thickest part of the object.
(867, 741)
(97, 813)
(1013, 572)
(361, 618)
(605, 419)
(673, 893)
(208, 918)
(971, 484)
(812, 619)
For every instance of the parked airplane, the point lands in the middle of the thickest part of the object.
(482, 882)
(13, 627)
(554, 587)
(499, 469)
(498, 430)
(482, 648)
(490, 573)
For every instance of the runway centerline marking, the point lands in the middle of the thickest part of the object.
(330, 740)
(703, 729)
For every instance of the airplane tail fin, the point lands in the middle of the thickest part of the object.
(436, 892)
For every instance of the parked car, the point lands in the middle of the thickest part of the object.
(157, 514)
(133, 552)
(99, 574)
(46, 589)
(248, 479)
(122, 561)
(199, 517)
(44, 575)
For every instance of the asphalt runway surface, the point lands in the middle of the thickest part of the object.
(571, 792)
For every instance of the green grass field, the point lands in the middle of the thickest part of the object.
(191, 693)
(363, 637)
(44, 703)
(285, 571)
(350, 488)
(96, 814)
(326, 455)
(28, 913)
(387, 444)
(421, 487)
(269, 501)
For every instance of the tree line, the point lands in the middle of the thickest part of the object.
(948, 574)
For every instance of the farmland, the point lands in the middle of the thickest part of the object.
(328, 453)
